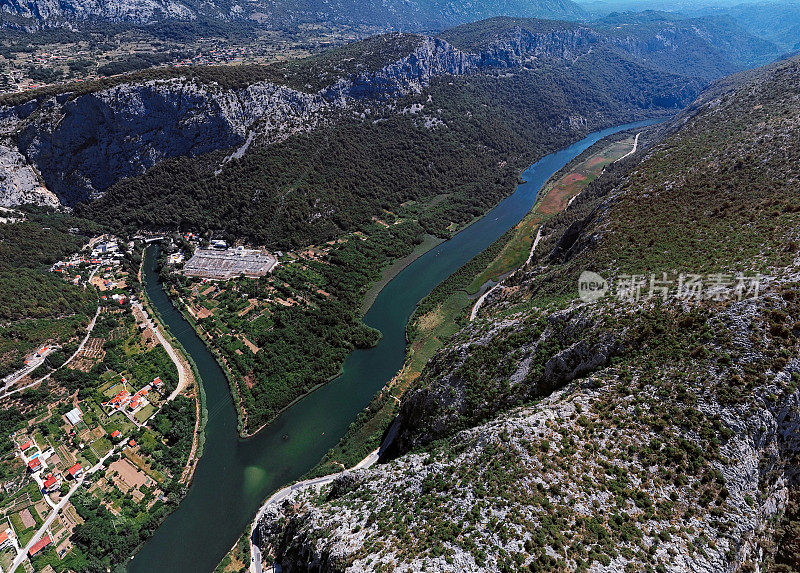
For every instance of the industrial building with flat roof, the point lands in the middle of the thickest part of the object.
(223, 265)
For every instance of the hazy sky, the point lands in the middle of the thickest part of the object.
(666, 4)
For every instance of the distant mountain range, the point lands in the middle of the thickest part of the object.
(104, 136)
(778, 22)
(405, 15)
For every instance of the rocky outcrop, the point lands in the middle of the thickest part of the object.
(58, 12)
(83, 145)
(635, 433)
(458, 390)
(19, 182)
(627, 465)
(517, 48)
(403, 14)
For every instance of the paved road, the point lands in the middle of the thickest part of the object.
(70, 359)
(35, 362)
(185, 375)
(280, 495)
(34, 365)
(23, 554)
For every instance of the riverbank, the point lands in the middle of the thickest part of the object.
(189, 381)
(447, 308)
(235, 476)
(395, 268)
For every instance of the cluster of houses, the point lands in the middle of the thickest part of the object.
(101, 250)
(118, 298)
(129, 402)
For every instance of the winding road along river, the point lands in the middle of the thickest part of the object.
(235, 476)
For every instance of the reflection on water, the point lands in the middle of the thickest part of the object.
(235, 476)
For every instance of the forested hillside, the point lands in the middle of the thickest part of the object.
(35, 304)
(654, 428)
(480, 131)
(424, 141)
(430, 140)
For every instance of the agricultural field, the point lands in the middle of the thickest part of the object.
(103, 419)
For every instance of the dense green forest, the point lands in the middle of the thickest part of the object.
(313, 187)
(35, 304)
(27, 250)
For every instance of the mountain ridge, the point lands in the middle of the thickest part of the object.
(404, 15)
(274, 102)
(552, 434)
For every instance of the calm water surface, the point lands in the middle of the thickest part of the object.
(235, 476)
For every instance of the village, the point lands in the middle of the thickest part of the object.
(38, 65)
(106, 435)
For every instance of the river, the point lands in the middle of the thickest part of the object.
(235, 476)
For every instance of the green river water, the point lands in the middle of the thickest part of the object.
(235, 476)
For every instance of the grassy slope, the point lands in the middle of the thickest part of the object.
(647, 460)
(445, 310)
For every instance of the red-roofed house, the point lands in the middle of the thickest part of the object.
(116, 434)
(35, 464)
(132, 443)
(25, 446)
(39, 545)
(51, 482)
(5, 540)
(75, 471)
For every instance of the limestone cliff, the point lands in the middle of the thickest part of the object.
(82, 143)
(650, 430)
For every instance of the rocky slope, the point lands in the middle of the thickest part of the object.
(405, 15)
(655, 429)
(19, 182)
(82, 143)
(52, 12)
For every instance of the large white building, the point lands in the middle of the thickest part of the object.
(74, 416)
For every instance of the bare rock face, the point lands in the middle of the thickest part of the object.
(81, 144)
(84, 145)
(626, 465)
(405, 14)
(457, 391)
(140, 11)
(19, 182)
